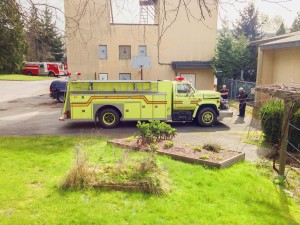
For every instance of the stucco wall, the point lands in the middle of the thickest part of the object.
(183, 41)
(287, 65)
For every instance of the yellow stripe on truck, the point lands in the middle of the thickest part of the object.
(116, 98)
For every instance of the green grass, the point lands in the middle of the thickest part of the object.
(32, 169)
(256, 138)
(20, 77)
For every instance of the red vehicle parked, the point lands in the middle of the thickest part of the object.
(46, 68)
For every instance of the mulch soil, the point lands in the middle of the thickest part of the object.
(186, 150)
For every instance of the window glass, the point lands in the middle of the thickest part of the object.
(142, 50)
(125, 76)
(102, 51)
(184, 89)
(124, 52)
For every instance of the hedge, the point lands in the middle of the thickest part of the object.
(271, 115)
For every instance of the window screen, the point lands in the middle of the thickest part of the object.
(125, 76)
(125, 52)
(102, 51)
(142, 50)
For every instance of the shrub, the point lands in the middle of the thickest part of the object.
(212, 147)
(204, 157)
(197, 148)
(271, 116)
(154, 131)
(169, 144)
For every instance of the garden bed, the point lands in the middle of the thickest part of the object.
(186, 153)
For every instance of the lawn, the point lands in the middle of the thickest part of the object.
(32, 169)
(20, 77)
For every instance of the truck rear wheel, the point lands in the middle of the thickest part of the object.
(108, 118)
(207, 117)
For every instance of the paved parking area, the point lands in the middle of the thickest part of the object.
(28, 110)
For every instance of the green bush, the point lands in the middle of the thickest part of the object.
(169, 144)
(271, 116)
(154, 131)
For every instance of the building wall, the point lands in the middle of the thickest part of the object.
(287, 66)
(166, 41)
(277, 66)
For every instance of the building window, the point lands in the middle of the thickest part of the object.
(124, 52)
(102, 51)
(125, 76)
(103, 76)
(142, 50)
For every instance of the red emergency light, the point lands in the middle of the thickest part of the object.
(78, 73)
(180, 78)
(69, 73)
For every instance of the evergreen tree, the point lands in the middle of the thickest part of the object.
(249, 25)
(13, 45)
(296, 24)
(281, 30)
(43, 37)
(232, 56)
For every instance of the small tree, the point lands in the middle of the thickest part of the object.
(296, 24)
(281, 30)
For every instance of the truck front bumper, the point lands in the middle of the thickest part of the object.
(225, 113)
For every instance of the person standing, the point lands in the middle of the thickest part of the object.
(242, 97)
(224, 92)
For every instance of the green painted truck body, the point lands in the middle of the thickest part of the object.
(109, 102)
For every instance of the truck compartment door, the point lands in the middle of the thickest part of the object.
(159, 107)
(146, 108)
(132, 110)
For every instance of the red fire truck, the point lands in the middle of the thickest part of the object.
(46, 68)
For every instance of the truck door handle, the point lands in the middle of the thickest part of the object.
(143, 106)
(156, 106)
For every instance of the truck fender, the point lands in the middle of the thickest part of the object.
(199, 107)
(98, 107)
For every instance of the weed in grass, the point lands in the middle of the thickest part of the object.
(169, 144)
(79, 177)
(197, 148)
(212, 147)
(204, 157)
(137, 174)
(130, 139)
(153, 147)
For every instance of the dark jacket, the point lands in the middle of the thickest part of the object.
(242, 97)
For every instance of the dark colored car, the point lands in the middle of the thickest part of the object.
(58, 90)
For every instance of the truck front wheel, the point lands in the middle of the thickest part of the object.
(207, 117)
(108, 118)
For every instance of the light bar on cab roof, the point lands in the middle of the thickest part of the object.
(180, 78)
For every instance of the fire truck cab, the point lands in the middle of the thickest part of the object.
(45, 68)
(109, 102)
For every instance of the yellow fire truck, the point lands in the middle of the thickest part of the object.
(109, 102)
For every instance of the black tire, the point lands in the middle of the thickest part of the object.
(207, 117)
(61, 97)
(51, 74)
(29, 73)
(108, 118)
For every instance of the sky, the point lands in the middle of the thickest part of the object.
(287, 9)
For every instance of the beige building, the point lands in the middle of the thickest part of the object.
(278, 61)
(162, 44)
